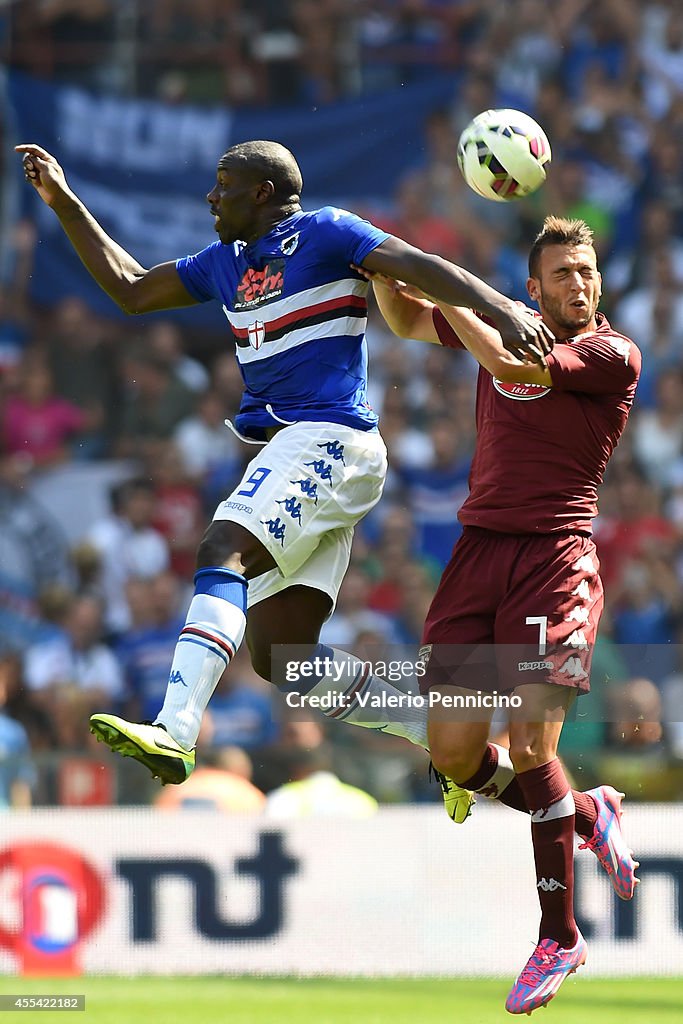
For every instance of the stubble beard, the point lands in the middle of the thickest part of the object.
(554, 310)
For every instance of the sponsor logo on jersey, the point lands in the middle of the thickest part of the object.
(520, 392)
(260, 286)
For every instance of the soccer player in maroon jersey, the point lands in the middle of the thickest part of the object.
(518, 605)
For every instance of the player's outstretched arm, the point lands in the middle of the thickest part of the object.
(133, 288)
(407, 314)
(484, 342)
(522, 334)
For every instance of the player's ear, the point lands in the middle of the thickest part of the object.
(264, 191)
(533, 288)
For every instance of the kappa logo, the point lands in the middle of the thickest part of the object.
(276, 527)
(260, 286)
(550, 885)
(583, 591)
(574, 669)
(321, 468)
(308, 488)
(335, 449)
(577, 639)
(584, 564)
(238, 505)
(579, 614)
(293, 506)
(520, 392)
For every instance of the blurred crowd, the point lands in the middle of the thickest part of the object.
(133, 412)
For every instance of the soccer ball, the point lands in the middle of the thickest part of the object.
(503, 155)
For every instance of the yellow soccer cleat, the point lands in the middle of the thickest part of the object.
(457, 801)
(149, 744)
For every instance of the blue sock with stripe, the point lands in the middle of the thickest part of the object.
(213, 631)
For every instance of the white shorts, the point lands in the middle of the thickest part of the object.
(302, 496)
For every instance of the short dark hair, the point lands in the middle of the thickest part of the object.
(267, 161)
(558, 231)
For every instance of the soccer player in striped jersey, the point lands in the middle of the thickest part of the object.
(280, 543)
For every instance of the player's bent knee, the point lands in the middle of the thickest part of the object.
(525, 756)
(459, 761)
(230, 545)
(218, 546)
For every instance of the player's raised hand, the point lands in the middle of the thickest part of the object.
(43, 172)
(524, 334)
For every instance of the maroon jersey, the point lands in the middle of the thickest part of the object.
(541, 452)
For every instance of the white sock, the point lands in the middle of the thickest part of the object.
(502, 777)
(213, 631)
(352, 680)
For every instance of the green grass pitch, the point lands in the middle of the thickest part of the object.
(143, 1000)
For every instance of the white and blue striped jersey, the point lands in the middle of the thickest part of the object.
(298, 315)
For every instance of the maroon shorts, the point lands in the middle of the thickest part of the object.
(514, 609)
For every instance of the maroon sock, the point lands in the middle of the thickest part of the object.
(484, 772)
(586, 814)
(586, 811)
(512, 796)
(548, 795)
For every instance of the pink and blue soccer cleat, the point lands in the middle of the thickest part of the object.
(608, 843)
(545, 971)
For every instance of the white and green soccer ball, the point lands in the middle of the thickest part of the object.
(503, 155)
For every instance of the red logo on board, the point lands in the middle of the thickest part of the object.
(60, 898)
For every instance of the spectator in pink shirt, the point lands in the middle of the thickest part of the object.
(36, 422)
